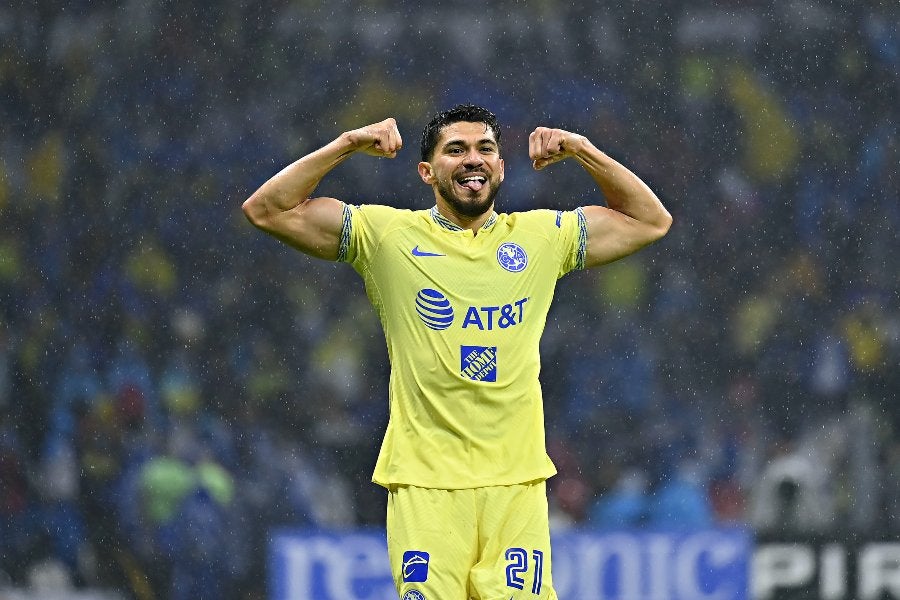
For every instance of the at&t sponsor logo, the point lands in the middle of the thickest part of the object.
(488, 317)
(434, 309)
(436, 312)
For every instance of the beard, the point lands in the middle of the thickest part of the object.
(468, 205)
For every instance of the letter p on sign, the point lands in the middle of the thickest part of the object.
(781, 566)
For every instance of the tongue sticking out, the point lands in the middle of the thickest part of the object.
(473, 184)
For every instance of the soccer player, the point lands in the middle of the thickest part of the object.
(462, 293)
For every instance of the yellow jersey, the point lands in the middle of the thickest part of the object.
(463, 315)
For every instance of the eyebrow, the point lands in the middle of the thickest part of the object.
(458, 142)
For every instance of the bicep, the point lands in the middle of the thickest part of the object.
(312, 227)
(612, 235)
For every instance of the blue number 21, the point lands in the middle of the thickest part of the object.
(518, 564)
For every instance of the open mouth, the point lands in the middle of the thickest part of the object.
(472, 182)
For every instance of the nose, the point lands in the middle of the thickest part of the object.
(473, 159)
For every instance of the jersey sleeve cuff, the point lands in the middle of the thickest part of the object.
(346, 230)
(582, 239)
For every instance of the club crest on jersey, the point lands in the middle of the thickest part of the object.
(434, 309)
(413, 595)
(512, 257)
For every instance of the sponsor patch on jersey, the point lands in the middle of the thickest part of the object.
(415, 566)
(478, 363)
(512, 257)
(413, 595)
(434, 309)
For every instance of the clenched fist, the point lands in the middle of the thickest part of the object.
(377, 139)
(547, 146)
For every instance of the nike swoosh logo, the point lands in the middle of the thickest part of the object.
(417, 252)
(407, 573)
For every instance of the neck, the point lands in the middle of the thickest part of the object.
(464, 221)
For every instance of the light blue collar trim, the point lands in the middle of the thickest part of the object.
(448, 224)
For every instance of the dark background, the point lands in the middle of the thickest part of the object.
(173, 383)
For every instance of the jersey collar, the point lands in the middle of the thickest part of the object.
(448, 224)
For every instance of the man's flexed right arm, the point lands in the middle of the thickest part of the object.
(283, 208)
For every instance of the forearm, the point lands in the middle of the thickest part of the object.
(295, 183)
(624, 191)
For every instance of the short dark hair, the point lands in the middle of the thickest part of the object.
(469, 113)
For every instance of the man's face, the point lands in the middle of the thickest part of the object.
(466, 168)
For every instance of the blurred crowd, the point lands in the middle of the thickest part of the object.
(174, 384)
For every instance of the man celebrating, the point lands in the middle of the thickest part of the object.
(462, 293)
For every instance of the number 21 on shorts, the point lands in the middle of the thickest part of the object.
(517, 566)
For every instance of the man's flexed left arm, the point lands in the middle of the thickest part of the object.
(633, 216)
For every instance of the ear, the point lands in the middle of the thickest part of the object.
(502, 169)
(426, 173)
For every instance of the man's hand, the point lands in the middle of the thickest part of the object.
(378, 139)
(547, 146)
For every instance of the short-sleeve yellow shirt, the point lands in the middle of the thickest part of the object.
(463, 315)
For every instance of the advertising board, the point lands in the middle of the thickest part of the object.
(622, 565)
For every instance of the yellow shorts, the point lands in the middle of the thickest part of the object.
(490, 543)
